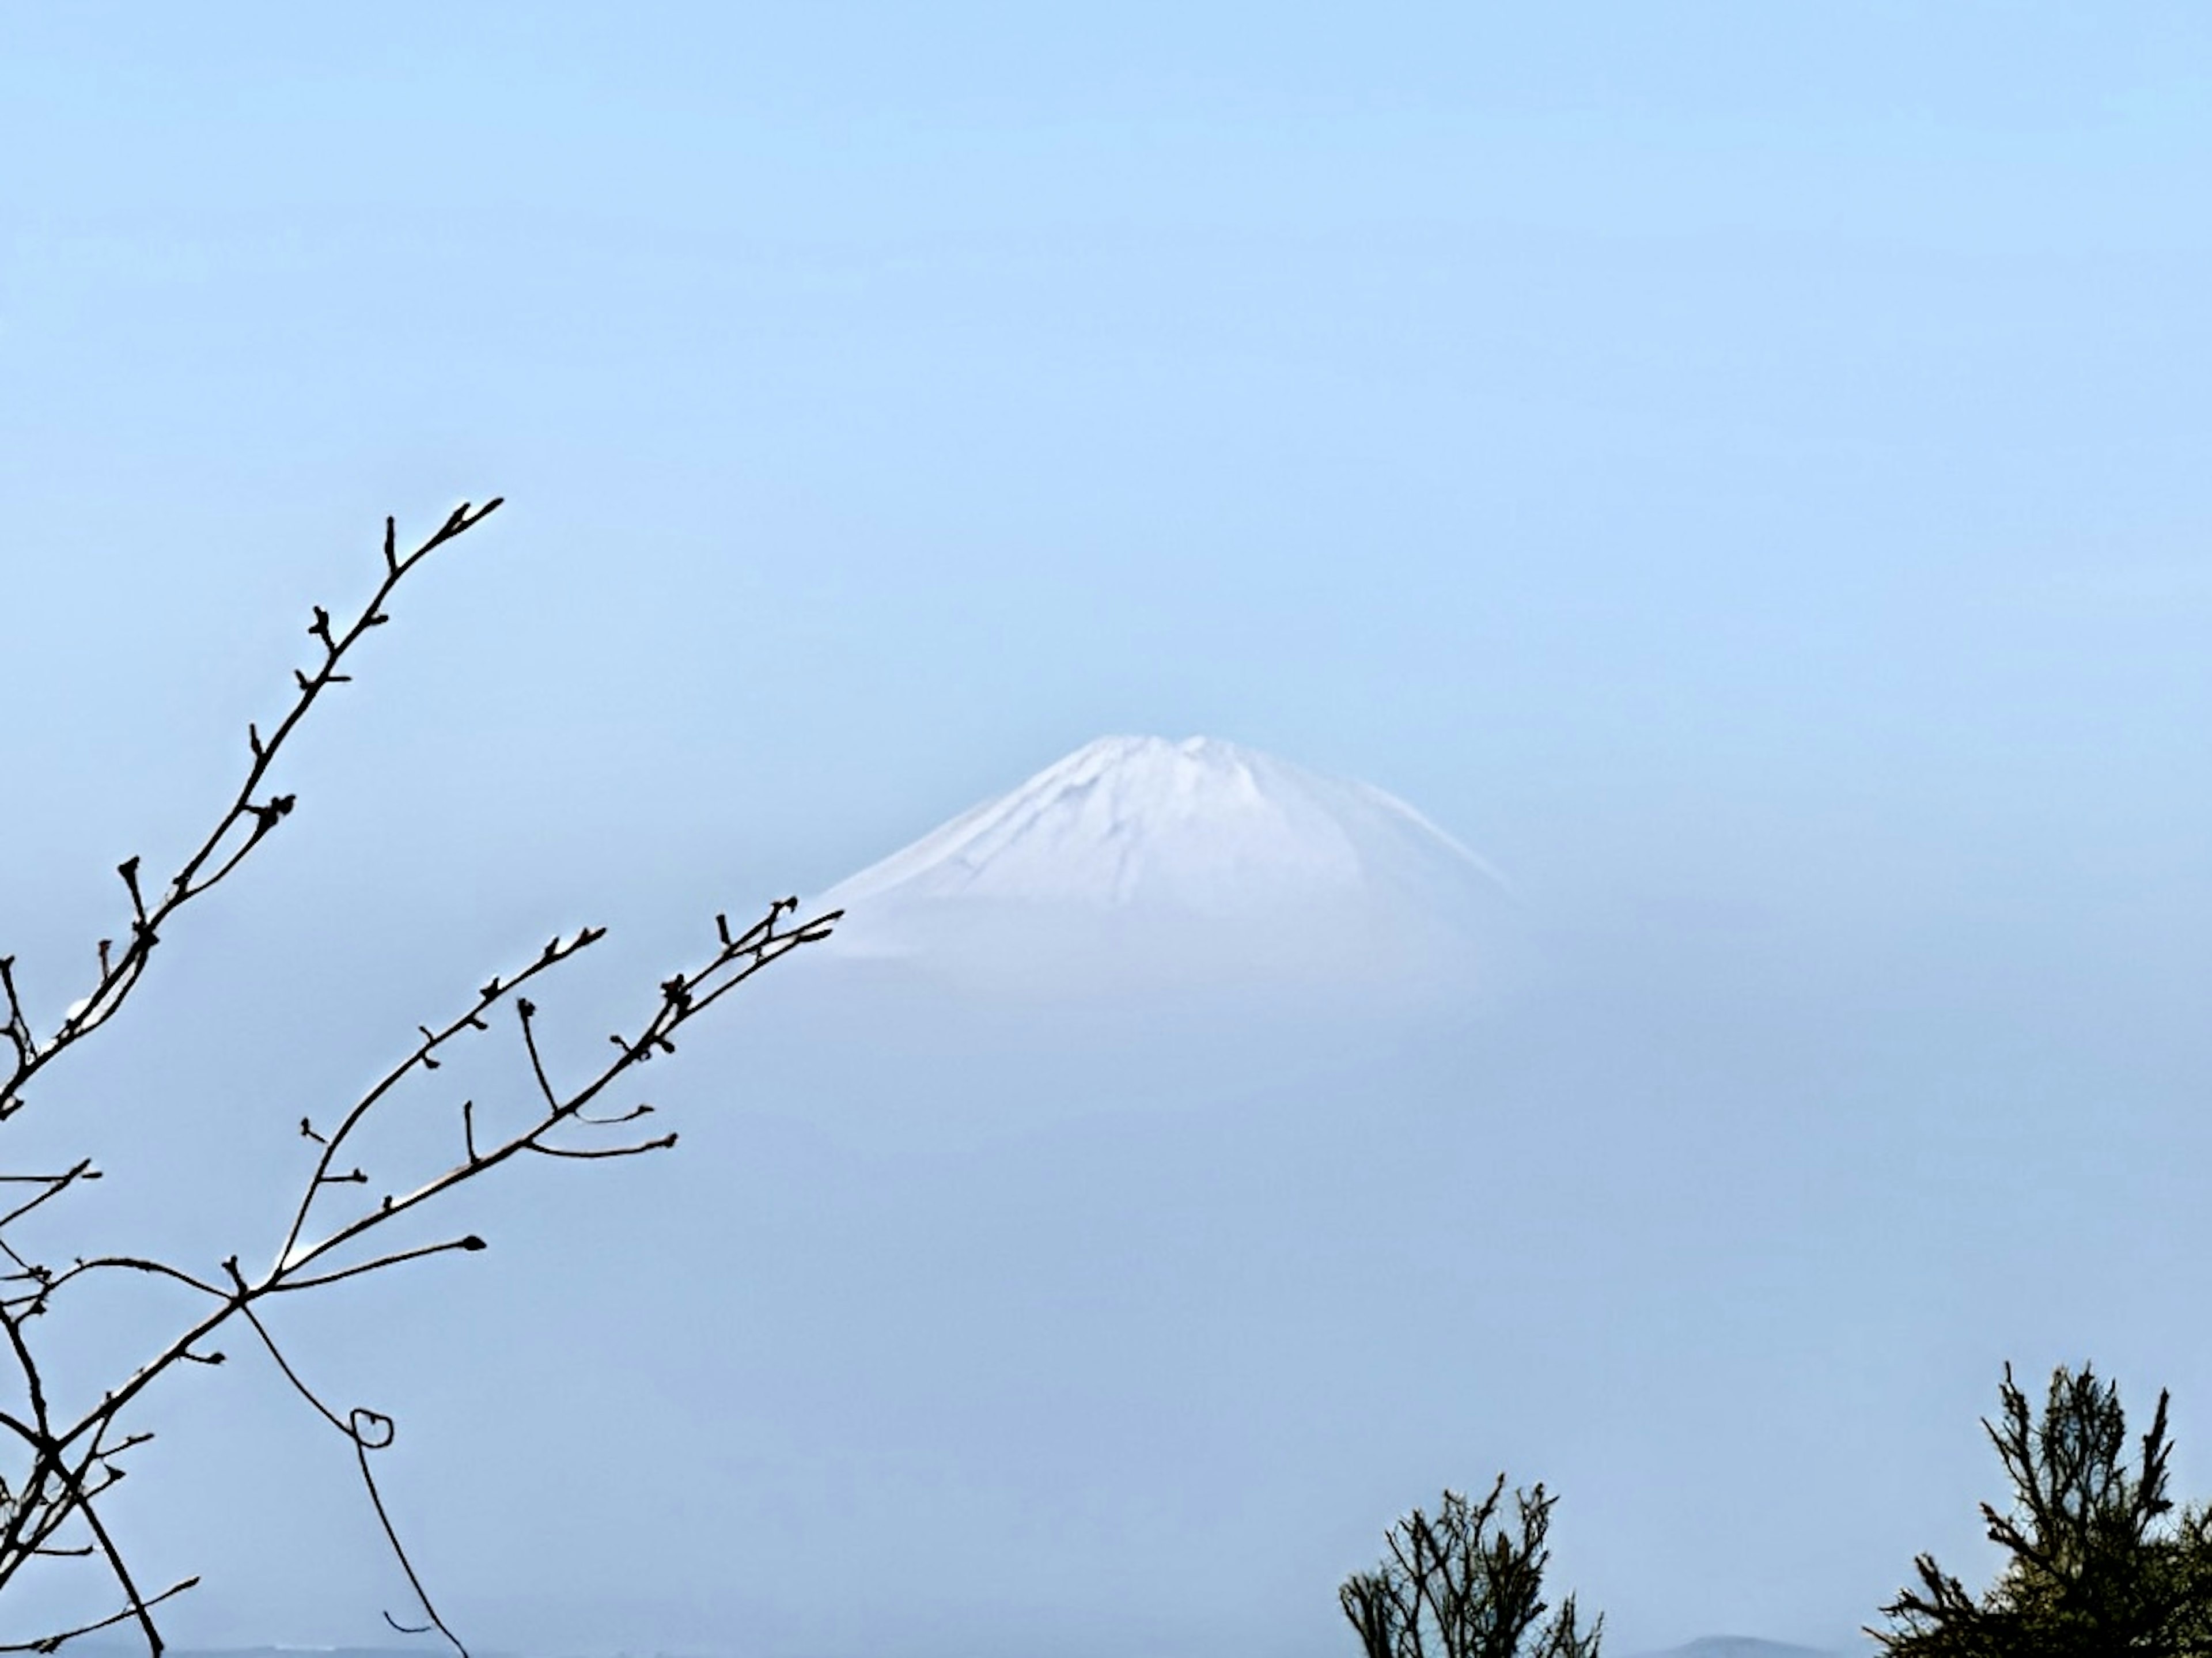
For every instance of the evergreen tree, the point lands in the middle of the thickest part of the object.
(2100, 1564)
(1465, 1585)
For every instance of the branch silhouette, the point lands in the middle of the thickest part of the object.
(51, 1512)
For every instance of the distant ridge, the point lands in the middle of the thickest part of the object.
(122, 1650)
(1706, 1646)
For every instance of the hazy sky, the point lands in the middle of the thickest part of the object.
(1740, 467)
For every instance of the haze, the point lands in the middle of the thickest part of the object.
(1739, 469)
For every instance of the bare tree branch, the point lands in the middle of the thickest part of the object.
(247, 822)
(71, 1465)
(53, 1643)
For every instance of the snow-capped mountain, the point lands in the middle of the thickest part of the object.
(1140, 854)
(1739, 1646)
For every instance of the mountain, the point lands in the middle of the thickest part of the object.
(1141, 859)
(1738, 1646)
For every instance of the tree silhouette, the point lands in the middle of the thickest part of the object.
(1465, 1585)
(2099, 1563)
(69, 1455)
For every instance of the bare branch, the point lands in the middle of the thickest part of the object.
(70, 1468)
(136, 1610)
(659, 1144)
(202, 869)
(55, 1185)
(361, 1448)
(469, 1243)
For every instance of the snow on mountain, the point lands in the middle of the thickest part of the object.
(1142, 855)
(1739, 1646)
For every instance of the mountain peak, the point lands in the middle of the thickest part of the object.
(1180, 847)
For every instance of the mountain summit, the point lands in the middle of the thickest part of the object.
(1166, 859)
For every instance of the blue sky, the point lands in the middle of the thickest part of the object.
(1532, 415)
(1740, 467)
